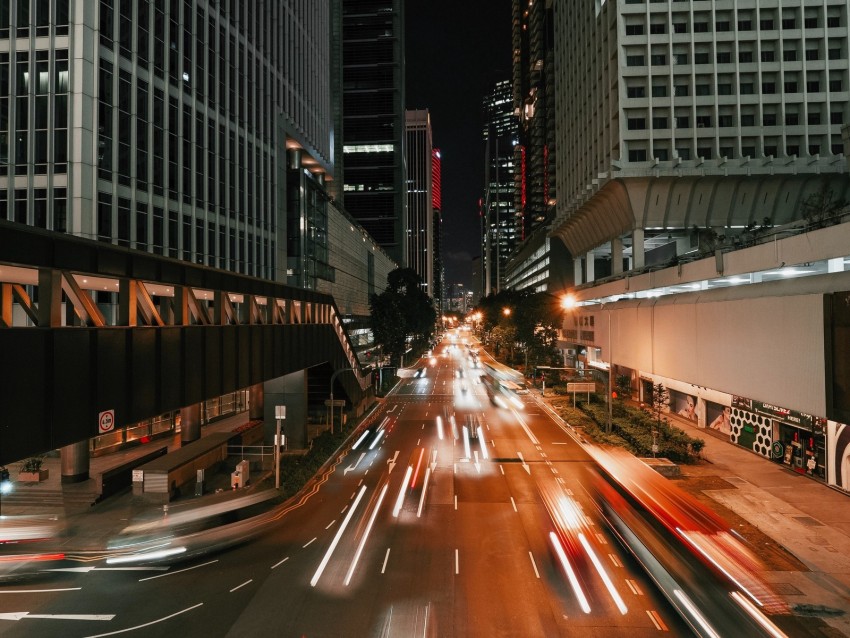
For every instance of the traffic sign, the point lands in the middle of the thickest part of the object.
(106, 421)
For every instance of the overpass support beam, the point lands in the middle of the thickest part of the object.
(75, 462)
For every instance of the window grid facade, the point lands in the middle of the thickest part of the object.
(181, 115)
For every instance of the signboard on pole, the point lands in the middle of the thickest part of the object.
(106, 421)
(280, 411)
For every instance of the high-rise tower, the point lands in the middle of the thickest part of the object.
(420, 204)
(373, 120)
(502, 226)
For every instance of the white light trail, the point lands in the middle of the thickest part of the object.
(339, 532)
(424, 489)
(401, 492)
(604, 575)
(482, 442)
(695, 613)
(756, 615)
(440, 428)
(360, 440)
(466, 451)
(135, 558)
(582, 599)
(377, 438)
(366, 534)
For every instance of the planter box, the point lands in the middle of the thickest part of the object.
(33, 477)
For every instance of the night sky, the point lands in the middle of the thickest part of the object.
(455, 51)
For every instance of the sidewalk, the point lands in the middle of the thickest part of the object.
(810, 520)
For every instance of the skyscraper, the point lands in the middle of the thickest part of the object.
(534, 105)
(439, 293)
(679, 122)
(373, 120)
(420, 203)
(168, 133)
(502, 226)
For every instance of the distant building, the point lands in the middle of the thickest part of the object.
(373, 120)
(419, 151)
(439, 293)
(502, 226)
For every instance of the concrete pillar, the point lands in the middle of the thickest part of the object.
(590, 266)
(289, 390)
(49, 298)
(256, 404)
(616, 256)
(190, 423)
(75, 462)
(638, 249)
(578, 275)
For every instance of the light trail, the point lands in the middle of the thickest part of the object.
(401, 492)
(466, 442)
(582, 599)
(339, 532)
(483, 443)
(365, 535)
(424, 489)
(360, 440)
(604, 575)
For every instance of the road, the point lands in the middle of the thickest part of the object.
(419, 531)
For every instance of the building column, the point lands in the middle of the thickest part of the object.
(75, 462)
(590, 266)
(638, 249)
(190, 423)
(616, 256)
(290, 391)
(578, 274)
(256, 403)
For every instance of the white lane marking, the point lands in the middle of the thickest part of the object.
(418, 440)
(533, 564)
(636, 590)
(559, 443)
(525, 427)
(455, 501)
(310, 542)
(339, 532)
(36, 591)
(543, 454)
(250, 580)
(602, 540)
(342, 511)
(457, 562)
(513, 503)
(141, 580)
(331, 523)
(25, 615)
(614, 560)
(656, 620)
(147, 624)
(386, 558)
(279, 563)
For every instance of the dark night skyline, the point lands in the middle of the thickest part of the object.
(455, 52)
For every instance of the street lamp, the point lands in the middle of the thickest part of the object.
(569, 303)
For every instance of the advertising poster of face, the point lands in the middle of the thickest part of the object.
(838, 452)
(683, 404)
(718, 417)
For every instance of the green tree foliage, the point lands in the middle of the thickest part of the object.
(660, 401)
(532, 324)
(402, 313)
